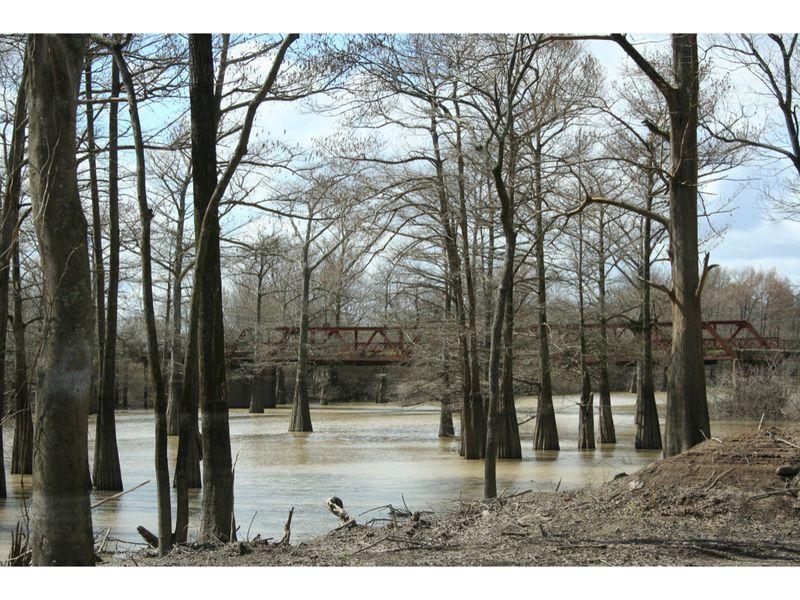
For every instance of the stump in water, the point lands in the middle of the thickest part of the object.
(446, 429)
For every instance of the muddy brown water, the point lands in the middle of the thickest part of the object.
(367, 454)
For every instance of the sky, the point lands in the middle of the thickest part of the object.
(751, 235)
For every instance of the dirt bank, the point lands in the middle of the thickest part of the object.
(722, 503)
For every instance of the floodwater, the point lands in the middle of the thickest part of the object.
(369, 455)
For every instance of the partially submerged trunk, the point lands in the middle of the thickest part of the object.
(473, 423)
(107, 474)
(648, 430)
(586, 406)
(508, 441)
(301, 415)
(61, 519)
(446, 428)
(545, 435)
(608, 434)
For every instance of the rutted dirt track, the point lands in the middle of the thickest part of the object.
(721, 503)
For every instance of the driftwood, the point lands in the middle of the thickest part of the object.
(336, 506)
(287, 530)
(119, 495)
(148, 536)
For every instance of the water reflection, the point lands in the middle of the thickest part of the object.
(367, 454)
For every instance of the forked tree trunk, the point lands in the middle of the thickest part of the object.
(153, 352)
(545, 435)
(9, 246)
(107, 474)
(478, 416)
(61, 519)
(608, 434)
(473, 421)
(495, 352)
(217, 498)
(687, 421)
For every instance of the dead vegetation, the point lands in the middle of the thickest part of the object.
(730, 501)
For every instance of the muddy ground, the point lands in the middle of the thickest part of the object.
(721, 503)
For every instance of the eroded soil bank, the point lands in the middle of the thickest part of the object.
(722, 503)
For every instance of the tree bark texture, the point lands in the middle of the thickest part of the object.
(61, 519)
(217, 498)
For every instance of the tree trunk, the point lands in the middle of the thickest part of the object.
(61, 519)
(687, 420)
(607, 433)
(507, 219)
(648, 430)
(545, 435)
(586, 406)
(153, 351)
(217, 498)
(9, 246)
(22, 451)
(107, 474)
(446, 428)
(176, 343)
(478, 416)
(473, 422)
(508, 442)
(280, 386)
(258, 388)
(301, 415)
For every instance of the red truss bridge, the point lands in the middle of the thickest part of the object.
(722, 341)
(328, 345)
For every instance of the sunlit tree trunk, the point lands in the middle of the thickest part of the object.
(61, 520)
